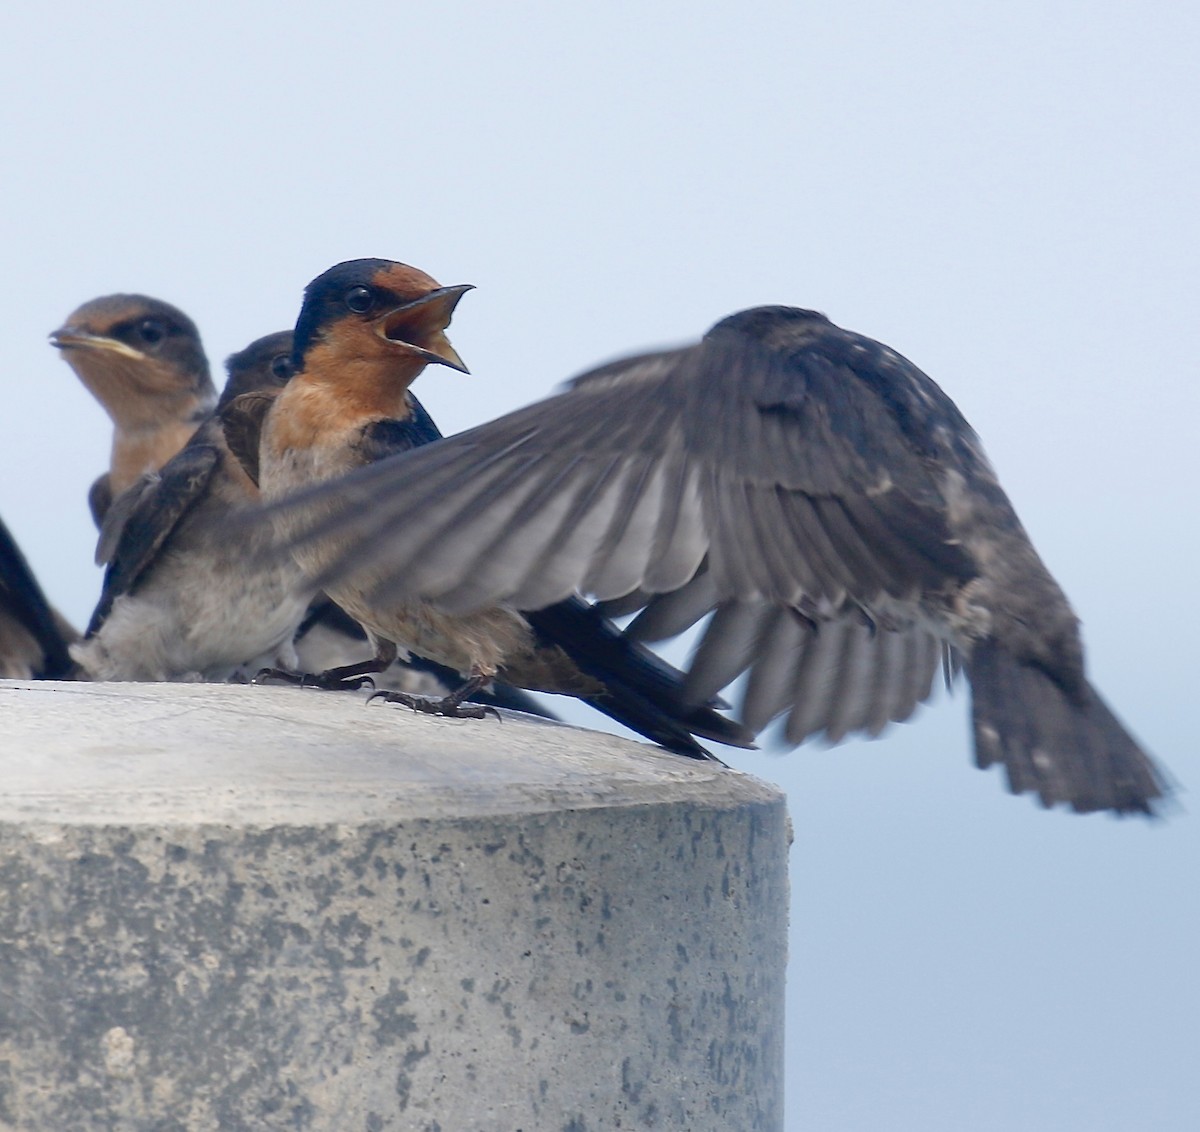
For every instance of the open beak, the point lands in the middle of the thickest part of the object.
(73, 338)
(419, 326)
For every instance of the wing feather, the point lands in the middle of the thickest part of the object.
(727, 648)
(773, 671)
(668, 615)
(816, 675)
(846, 708)
(157, 509)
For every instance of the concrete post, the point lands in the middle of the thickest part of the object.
(263, 908)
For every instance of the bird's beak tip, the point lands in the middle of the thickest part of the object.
(419, 326)
(447, 355)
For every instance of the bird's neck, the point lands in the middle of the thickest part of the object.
(313, 412)
(143, 398)
(146, 449)
(367, 386)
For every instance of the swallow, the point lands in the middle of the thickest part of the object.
(182, 599)
(143, 361)
(325, 633)
(366, 330)
(809, 488)
(33, 636)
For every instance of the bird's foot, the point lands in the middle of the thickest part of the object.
(450, 705)
(331, 680)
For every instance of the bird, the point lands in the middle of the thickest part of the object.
(181, 599)
(179, 602)
(367, 328)
(326, 637)
(808, 490)
(142, 359)
(33, 635)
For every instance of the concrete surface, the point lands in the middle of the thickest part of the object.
(257, 908)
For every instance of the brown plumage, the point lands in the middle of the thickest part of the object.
(142, 360)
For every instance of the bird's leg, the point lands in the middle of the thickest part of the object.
(344, 678)
(451, 705)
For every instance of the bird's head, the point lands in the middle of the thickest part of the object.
(379, 313)
(265, 365)
(139, 357)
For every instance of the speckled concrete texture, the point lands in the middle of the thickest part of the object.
(265, 908)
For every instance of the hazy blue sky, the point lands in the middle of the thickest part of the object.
(1004, 193)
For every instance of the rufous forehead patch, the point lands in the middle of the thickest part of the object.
(407, 282)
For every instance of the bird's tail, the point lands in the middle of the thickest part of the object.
(1063, 747)
(641, 690)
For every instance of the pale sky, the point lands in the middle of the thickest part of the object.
(1003, 193)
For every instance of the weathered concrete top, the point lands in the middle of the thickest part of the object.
(149, 754)
(253, 908)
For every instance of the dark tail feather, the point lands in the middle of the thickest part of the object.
(642, 691)
(1061, 748)
(628, 707)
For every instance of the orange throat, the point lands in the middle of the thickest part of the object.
(310, 410)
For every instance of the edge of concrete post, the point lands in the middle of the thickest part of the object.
(253, 908)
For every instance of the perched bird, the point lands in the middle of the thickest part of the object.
(142, 360)
(182, 598)
(33, 636)
(366, 330)
(809, 487)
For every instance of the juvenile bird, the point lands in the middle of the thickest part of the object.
(809, 487)
(183, 599)
(367, 328)
(142, 360)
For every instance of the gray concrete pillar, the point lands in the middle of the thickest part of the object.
(263, 908)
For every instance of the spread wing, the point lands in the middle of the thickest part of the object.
(782, 472)
(141, 519)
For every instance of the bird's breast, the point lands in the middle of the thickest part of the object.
(145, 450)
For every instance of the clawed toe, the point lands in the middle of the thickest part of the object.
(333, 683)
(265, 674)
(329, 681)
(448, 706)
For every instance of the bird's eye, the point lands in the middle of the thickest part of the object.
(151, 331)
(359, 299)
(281, 367)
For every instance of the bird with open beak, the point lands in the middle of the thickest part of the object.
(143, 361)
(366, 330)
